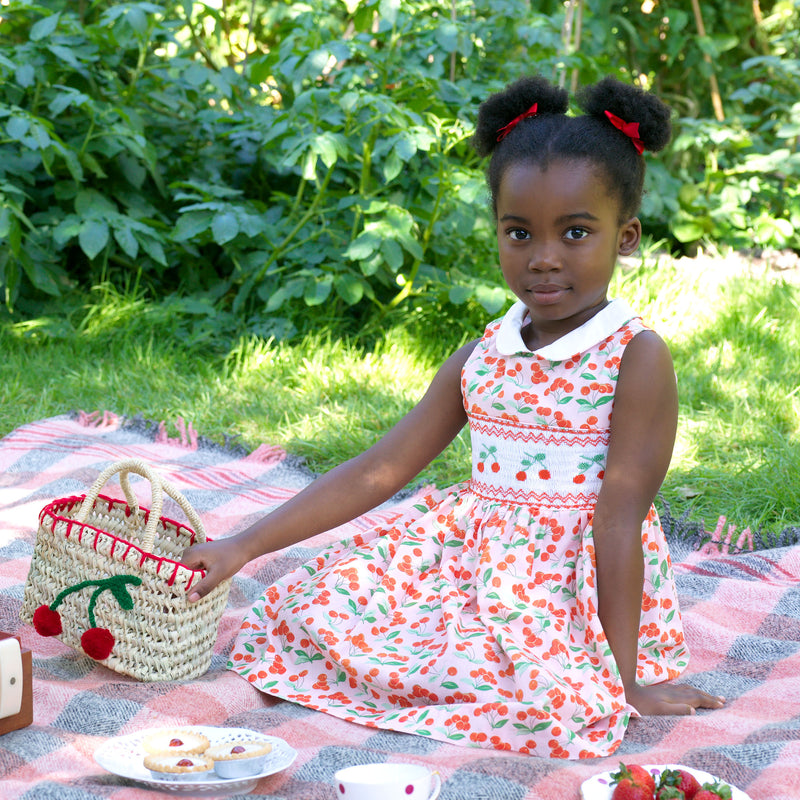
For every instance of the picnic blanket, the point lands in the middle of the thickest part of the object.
(741, 615)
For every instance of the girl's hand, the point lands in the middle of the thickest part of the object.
(220, 561)
(670, 698)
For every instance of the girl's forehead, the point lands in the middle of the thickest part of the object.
(573, 171)
(555, 179)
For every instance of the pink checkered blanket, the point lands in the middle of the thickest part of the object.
(741, 614)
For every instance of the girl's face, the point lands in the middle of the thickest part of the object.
(559, 235)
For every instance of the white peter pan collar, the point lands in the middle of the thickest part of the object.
(602, 324)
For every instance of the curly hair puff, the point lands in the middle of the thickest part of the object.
(551, 135)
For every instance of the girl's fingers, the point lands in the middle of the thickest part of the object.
(711, 701)
(700, 699)
(195, 557)
(673, 699)
(198, 592)
(203, 587)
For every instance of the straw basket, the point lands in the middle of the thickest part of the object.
(106, 578)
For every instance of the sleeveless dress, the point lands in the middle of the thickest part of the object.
(472, 617)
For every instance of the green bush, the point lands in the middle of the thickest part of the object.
(267, 189)
(731, 181)
(310, 165)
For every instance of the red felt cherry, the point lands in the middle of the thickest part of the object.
(175, 743)
(97, 643)
(185, 762)
(46, 621)
(237, 749)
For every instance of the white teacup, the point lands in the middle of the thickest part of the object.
(387, 782)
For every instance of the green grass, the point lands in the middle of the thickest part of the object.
(735, 342)
(324, 399)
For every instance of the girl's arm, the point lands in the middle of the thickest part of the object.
(352, 488)
(643, 427)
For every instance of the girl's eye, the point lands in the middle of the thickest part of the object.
(576, 234)
(518, 234)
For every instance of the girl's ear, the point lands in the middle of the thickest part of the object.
(630, 234)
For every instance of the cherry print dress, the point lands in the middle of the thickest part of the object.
(472, 617)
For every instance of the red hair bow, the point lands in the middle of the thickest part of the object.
(630, 129)
(506, 129)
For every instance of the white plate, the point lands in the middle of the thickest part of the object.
(124, 756)
(601, 786)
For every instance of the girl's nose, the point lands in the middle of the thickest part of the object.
(544, 258)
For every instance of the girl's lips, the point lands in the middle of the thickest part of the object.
(547, 293)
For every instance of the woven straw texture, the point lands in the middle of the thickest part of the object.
(83, 542)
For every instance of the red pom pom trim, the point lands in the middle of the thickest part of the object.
(97, 643)
(46, 621)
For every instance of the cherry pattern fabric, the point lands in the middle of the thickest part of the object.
(472, 618)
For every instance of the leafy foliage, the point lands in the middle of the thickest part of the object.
(733, 180)
(283, 166)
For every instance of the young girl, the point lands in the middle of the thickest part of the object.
(533, 607)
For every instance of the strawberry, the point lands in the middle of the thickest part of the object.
(628, 790)
(641, 776)
(714, 791)
(678, 779)
(633, 783)
(670, 793)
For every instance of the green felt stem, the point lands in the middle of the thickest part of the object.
(92, 603)
(116, 585)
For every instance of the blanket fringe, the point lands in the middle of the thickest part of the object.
(266, 454)
(187, 438)
(712, 543)
(94, 420)
(718, 547)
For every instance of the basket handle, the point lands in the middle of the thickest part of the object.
(158, 486)
(155, 479)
